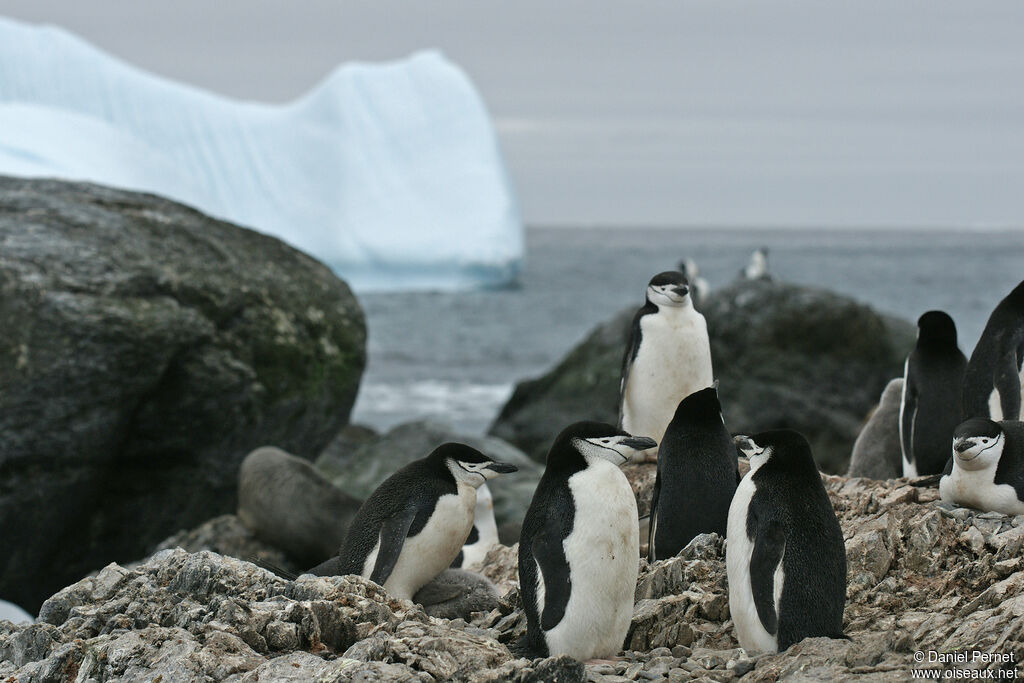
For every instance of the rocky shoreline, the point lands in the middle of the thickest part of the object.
(923, 577)
(238, 352)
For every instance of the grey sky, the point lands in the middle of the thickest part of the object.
(747, 112)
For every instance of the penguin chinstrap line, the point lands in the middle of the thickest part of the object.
(667, 359)
(930, 408)
(414, 524)
(697, 476)
(987, 469)
(785, 556)
(993, 382)
(579, 551)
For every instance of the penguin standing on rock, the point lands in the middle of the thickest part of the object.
(785, 555)
(988, 466)
(932, 385)
(697, 476)
(992, 383)
(414, 524)
(579, 550)
(668, 358)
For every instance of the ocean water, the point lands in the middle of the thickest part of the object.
(457, 356)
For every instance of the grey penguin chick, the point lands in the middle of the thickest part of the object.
(993, 382)
(697, 476)
(456, 594)
(931, 403)
(579, 550)
(987, 470)
(876, 452)
(288, 504)
(785, 556)
(667, 359)
(414, 524)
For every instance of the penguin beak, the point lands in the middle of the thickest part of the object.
(963, 445)
(639, 443)
(682, 290)
(502, 467)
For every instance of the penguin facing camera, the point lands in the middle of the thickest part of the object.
(697, 476)
(987, 468)
(667, 359)
(579, 551)
(785, 555)
(415, 523)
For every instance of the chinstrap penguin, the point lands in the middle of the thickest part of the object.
(697, 476)
(931, 404)
(757, 268)
(579, 550)
(876, 452)
(785, 555)
(667, 359)
(484, 533)
(993, 382)
(286, 502)
(987, 470)
(414, 524)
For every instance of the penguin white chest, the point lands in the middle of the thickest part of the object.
(432, 550)
(738, 550)
(603, 553)
(977, 489)
(672, 362)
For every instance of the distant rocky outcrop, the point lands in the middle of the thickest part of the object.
(362, 467)
(922, 576)
(145, 349)
(785, 356)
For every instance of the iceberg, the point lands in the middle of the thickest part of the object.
(390, 173)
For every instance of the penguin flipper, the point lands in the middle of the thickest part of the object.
(630, 355)
(392, 536)
(769, 546)
(549, 554)
(652, 527)
(908, 418)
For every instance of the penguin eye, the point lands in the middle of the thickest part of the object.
(984, 440)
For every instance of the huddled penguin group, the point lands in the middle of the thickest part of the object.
(579, 550)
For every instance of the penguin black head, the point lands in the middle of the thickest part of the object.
(936, 328)
(670, 288)
(581, 443)
(700, 406)
(779, 450)
(468, 465)
(978, 443)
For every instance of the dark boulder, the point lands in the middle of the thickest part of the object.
(785, 356)
(145, 348)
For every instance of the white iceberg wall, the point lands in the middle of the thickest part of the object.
(389, 173)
